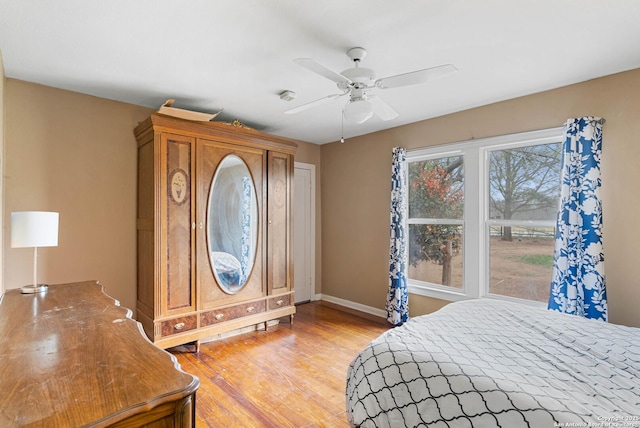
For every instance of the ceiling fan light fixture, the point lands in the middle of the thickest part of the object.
(358, 111)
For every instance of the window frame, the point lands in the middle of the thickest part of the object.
(475, 223)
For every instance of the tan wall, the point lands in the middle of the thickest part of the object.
(74, 154)
(356, 185)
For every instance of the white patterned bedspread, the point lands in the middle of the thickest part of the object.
(491, 363)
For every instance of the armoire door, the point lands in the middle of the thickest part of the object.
(279, 261)
(177, 202)
(226, 174)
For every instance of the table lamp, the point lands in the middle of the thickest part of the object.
(34, 229)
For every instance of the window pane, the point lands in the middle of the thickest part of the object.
(525, 183)
(521, 267)
(435, 254)
(436, 188)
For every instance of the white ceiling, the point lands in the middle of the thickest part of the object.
(237, 55)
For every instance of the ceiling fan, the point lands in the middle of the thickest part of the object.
(358, 82)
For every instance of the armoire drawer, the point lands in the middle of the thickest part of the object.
(278, 302)
(178, 325)
(233, 312)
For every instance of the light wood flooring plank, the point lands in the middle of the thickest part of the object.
(289, 376)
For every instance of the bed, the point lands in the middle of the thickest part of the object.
(228, 269)
(492, 363)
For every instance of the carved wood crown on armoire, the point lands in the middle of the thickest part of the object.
(214, 228)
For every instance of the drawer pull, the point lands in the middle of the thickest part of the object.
(251, 309)
(279, 302)
(219, 316)
(179, 326)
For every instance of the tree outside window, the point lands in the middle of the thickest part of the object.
(524, 184)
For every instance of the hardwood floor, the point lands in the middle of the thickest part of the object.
(289, 376)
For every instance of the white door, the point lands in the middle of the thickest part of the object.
(303, 232)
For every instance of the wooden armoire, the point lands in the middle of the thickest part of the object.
(214, 228)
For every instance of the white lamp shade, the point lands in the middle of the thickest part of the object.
(358, 111)
(34, 229)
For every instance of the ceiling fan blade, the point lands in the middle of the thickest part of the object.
(382, 109)
(320, 69)
(415, 77)
(314, 103)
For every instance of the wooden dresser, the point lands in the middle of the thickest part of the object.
(73, 357)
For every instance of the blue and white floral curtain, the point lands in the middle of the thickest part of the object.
(578, 284)
(397, 299)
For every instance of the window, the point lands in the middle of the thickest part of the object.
(482, 217)
(436, 208)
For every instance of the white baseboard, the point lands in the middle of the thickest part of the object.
(351, 305)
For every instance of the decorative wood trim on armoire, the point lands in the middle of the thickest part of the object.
(182, 296)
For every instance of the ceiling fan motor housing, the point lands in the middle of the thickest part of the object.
(357, 94)
(362, 75)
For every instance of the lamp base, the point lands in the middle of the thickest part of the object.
(32, 289)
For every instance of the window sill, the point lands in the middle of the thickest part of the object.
(442, 294)
(454, 296)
